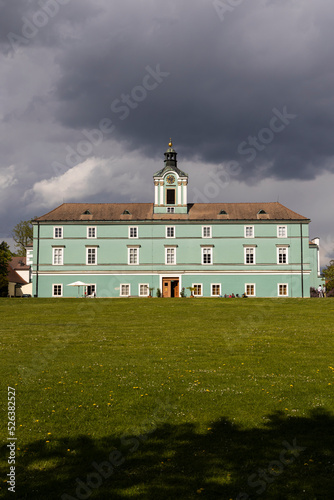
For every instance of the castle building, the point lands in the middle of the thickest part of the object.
(173, 246)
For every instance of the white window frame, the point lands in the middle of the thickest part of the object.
(286, 253)
(133, 251)
(170, 210)
(135, 230)
(121, 290)
(56, 229)
(285, 232)
(251, 253)
(207, 229)
(87, 255)
(278, 289)
(61, 252)
(254, 286)
(246, 228)
(91, 228)
(220, 289)
(172, 228)
(147, 287)
(172, 253)
(210, 252)
(53, 290)
(198, 294)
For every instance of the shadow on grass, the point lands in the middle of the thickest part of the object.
(288, 458)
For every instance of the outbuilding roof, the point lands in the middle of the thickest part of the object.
(196, 212)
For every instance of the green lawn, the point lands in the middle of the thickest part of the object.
(169, 398)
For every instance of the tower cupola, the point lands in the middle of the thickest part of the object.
(170, 156)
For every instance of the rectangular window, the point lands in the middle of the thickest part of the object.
(133, 256)
(57, 290)
(282, 232)
(215, 290)
(250, 289)
(124, 290)
(58, 232)
(282, 255)
(91, 232)
(170, 210)
(249, 255)
(207, 255)
(197, 289)
(282, 290)
(170, 256)
(133, 232)
(170, 232)
(144, 290)
(249, 231)
(58, 256)
(91, 256)
(170, 195)
(206, 232)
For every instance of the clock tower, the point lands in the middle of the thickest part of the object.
(170, 186)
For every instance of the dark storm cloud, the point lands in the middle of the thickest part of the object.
(41, 22)
(226, 70)
(225, 78)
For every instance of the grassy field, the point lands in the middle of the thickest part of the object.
(169, 398)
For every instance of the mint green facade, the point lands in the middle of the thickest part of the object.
(128, 257)
(227, 269)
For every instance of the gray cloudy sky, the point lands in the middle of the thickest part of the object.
(91, 91)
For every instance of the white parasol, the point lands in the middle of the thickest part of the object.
(78, 284)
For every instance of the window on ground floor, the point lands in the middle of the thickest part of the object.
(215, 290)
(124, 290)
(57, 290)
(250, 289)
(144, 290)
(198, 289)
(282, 289)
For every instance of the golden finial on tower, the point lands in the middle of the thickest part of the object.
(170, 144)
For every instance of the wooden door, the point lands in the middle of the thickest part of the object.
(170, 287)
(166, 287)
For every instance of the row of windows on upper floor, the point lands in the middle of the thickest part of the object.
(197, 290)
(170, 232)
(170, 255)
